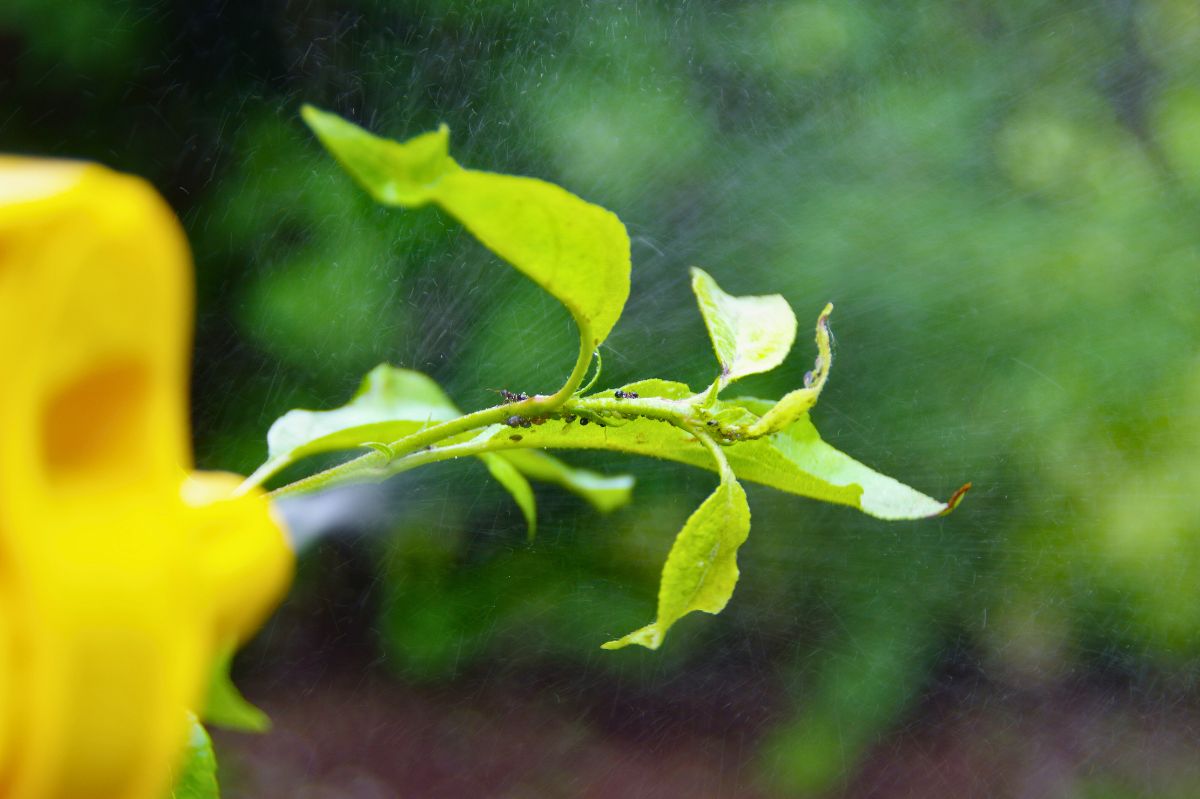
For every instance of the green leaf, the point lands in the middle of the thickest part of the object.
(225, 706)
(701, 569)
(515, 483)
(800, 446)
(795, 460)
(392, 403)
(197, 776)
(749, 334)
(654, 387)
(578, 252)
(389, 404)
(605, 493)
(394, 173)
(796, 404)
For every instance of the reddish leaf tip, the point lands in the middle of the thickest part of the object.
(956, 498)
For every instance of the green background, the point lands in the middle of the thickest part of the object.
(1001, 199)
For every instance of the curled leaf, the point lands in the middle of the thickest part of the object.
(795, 404)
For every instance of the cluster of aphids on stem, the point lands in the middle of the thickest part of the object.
(516, 420)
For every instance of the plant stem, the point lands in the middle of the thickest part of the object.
(536, 406)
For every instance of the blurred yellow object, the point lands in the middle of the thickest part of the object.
(120, 572)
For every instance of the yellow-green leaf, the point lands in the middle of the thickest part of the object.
(796, 404)
(701, 569)
(196, 778)
(225, 706)
(749, 334)
(514, 482)
(392, 403)
(604, 492)
(394, 173)
(794, 460)
(389, 404)
(578, 252)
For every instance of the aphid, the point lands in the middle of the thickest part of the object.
(526, 423)
(570, 417)
(514, 421)
(583, 420)
(539, 420)
(619, 394)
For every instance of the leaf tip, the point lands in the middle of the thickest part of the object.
(315, 118)
(649, 636)
(956, 498)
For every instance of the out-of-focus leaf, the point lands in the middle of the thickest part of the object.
(605, 493)
(701, 569)
(225, 706)
(515, 483)
(749, 334)
(578, 252)
(197, 776)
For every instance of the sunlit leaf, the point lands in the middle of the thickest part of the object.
(225, 706)
(701, 569)
(666, 389)
(197, 775)
(515, 483)
(576, 251)
(795, 460)
(795, 404)
(389, 404)
(749, 334)
(394, 173)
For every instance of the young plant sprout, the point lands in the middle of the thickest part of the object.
(579, 253)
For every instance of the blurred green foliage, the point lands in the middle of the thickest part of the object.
(1001, 197)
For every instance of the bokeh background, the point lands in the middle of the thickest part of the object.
(1001, 198)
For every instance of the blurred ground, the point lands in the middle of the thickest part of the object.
(355, 734)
